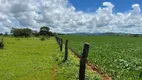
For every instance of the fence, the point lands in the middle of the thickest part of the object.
(82, 59)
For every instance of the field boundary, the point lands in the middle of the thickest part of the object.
(89, 65)
(92, 67)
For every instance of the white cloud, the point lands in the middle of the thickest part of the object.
(108, 4)
(136, 8)
(61, 16)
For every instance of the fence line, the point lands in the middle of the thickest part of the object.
(83, 58)
(61, 44)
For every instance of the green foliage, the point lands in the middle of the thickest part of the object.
(44, 28)
(35, 33)
(120, 57)
(45, 31)
(25, 32)
(1, 34)
(42, 38)
(1, 44)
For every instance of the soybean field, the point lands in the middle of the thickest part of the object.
(118, 56)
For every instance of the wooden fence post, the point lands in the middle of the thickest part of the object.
(61, 44)
(66, 50)
(58, 41)
(83, 62)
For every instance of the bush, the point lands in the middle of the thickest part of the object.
(45, 31)
(1, 44)
(35, 33)
(1, 34)
(42, 38)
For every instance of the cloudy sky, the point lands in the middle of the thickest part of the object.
(70, 16)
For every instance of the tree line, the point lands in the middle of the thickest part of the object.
(26, 32)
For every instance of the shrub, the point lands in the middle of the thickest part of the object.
(35, 33)
(1, 44)
(1, 34)
(42, 38)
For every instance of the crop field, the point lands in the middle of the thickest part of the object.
(33, 59)
(118, 56)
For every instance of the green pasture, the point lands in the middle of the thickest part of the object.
(33, 59)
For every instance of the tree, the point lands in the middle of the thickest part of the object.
(51, 33)
(35, 33)
(25, 32)
(1, 34)
(44, 30)
(6, 34)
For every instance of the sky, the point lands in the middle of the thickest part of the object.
(92, 5)
(72, 16)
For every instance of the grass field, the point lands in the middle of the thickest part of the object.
(32, 59)
(120, 57)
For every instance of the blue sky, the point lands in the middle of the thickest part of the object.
(93, 5)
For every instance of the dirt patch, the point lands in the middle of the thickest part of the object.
(53, 72)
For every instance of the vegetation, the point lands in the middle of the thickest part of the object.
(45, 31)
(118, 56)
(32, 59)
(1, 44)
(42, 38)
(25, 32)
(1, 34)
(35, 33)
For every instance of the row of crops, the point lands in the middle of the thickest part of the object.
(119, 57)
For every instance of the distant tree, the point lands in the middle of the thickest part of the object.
(44, 28)
(51, 33)
(6, 34)
(35, 33)
(44, 31)
(1, 34)
(134, 35)
(12, 30)
(25, 32)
